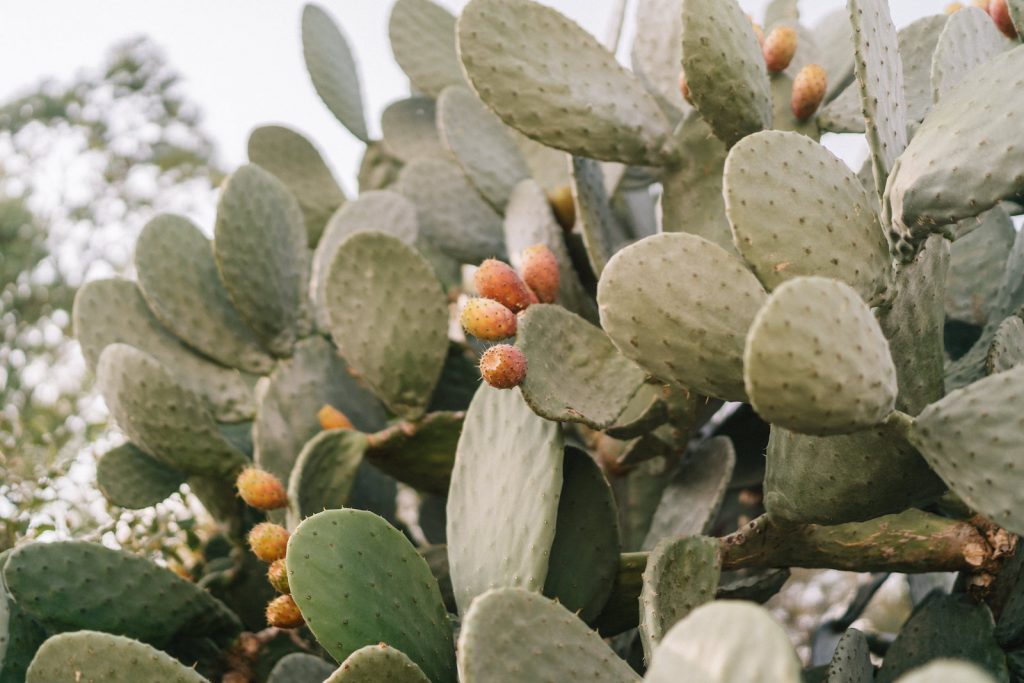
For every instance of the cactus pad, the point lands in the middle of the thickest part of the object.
(1007, 350)
(851, 661)
(130, 478)
(298, 667)
(969, 39)
(659, 56)
(970, 290)
(917, 45)
(20, 635)
(410, 130)
(332, 69)
(423, 41)
(947, 671)
(324, 473)
(375, 663)
(420, 453)
(94, 657)
(603, 235)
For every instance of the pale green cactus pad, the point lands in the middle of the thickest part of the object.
(260, 246)
(816, 360)
(835, 41)
(130, 478)
(947, 671)
(851, 661)
(333, 69)
(178, 279)
(420, 453)
(20, 636)
(992, 406)
(1007, 350)
(333, 558)
(827, 226)
(298, 667)
(481, 144)
(423, 41)
(1016, 8)
(644, 412)
(504, 623)
(548, 166)
(297, 163)
(970, 290)
(969, 40)
(452, 214)
(409, 127)
(783, 117)
(526, 62)
(377, 169)
(500, 533)
(658, 57)
(113, 311)
(843, 115)
(603, 234)
(324, 473)
(681, 575)
(917, 45)
(161, 416)
(575, 373)
(375, 663)
(94, 657)
(726, 642)
(379, 286)
(781, 12)
(680, 306)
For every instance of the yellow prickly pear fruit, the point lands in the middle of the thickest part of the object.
(261, 489)
(563, 206)
(488, 320)
(332, 418)
(269, 541)
(779, 48)
(809, 88)
(282, 612)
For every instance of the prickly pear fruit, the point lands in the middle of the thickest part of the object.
(779, 48)
(496, 280)
(1000, 14)
(540, 272)
(268, 541)
(684, 87)
(277, 575)
(953, 7)
(261, 489)
(488, 320)
(809, 88)
(563, 205)
(282, 612)
(332, 418)
(503, 366)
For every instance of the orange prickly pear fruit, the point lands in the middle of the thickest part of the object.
(269, 541)
(503, 366)
(563, 206)
(1000, 13)
(496, 280)
(277, 575)
(282, 612)
(540, 272)
(809, 88)
(487, 319)
(261, 489)
(332, 418)
(779, 48)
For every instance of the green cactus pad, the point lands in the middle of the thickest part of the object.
(527, 61)
(851, 661)
(827, 225)
(423, 41)
(260, 247)
(529, 221)
(843, 114)
(161, 416)
(781, 12)
(298, 667)
(783, 118)
(420, 453)
(130, 478)
(726, 642)
(725, 69)
(585, 554)
(947, 671)
(1007, 350)
(410, 130)
(452, 214)
(691, 197)
(971, 290)
(376, 663)
(324, 473)
(113, 311)
(300, 386)
(680, 306)
(658, 57)
(945, 626)
(970, 39)
(917, 45)
(681, 574)
(503, 499)
(992, 407)
(548, 166)
(644, 412)
(178, 279)
(835, 41)
(336, 568)
(332, 69)
(879, 71)
(603, 234)
(481, 144)
(297, 163)
(575, 373)
(693, 497)
(71, 585)
(816, 360)
(941, 178)
(378, 287)
(377, 168)
(93, 657)
(504, 623)
(20, 636)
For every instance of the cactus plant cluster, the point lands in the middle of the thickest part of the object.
(724, 354)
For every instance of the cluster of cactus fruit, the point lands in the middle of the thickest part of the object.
(725, 354)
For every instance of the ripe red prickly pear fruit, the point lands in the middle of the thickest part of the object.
(261, 489)
(277, 575)
(1000, 13)
(496, 280)
(563, 206)
(809, 88)
(779, 48)
(487, 319)
(332, 418)
(540, 272)
(282, 612)
(503, 366)
(684, 87)
(268, 541)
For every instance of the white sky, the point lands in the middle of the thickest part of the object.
(242, 59)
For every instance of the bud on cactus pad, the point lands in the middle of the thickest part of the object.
(540, 272)
(496, 280)
(563, 206)
(282, 612)
(261, 489)
(503, 366)
(332, 418)
(809, 88)
(1000, 13)
(487, 319)
(277, 575)
(268, 541)
(779, 48)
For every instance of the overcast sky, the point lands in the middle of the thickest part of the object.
(242, 59)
